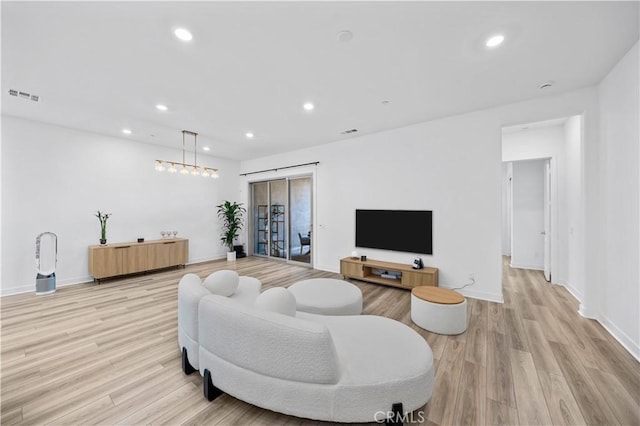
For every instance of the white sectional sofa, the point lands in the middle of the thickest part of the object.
(190, 290)
(358, 368)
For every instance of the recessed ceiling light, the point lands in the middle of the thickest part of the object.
(183, 34)
(126, 131)
(495, 41)
(205, 148)
(308, 106)
(161, 107)
(249, 135)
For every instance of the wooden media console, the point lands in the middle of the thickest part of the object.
(129, 258)
(407, 276)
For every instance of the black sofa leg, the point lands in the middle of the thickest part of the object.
(398, 412)
(210, 391)
(186, 367)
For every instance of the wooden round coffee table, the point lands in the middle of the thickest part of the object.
(439, 310)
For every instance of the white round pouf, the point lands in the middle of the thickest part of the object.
(439, 310)
(327, 296)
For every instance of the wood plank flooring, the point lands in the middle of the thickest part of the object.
(108, 354)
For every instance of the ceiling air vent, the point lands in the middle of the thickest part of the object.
(24, 95)
(346, 132)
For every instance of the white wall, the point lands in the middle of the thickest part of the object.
(507, 206)
(54, 179)
(571, 199)
(620, 293)
(421, 167)
(527, 249)
(451, 166)
(532, 143)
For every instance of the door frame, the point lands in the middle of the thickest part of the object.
(311, 212)
(278, 175)
(548, 235)
(553, 213)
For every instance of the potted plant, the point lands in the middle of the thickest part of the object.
(102, 217)
(232, 215)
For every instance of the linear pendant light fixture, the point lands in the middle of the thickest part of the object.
(184, 168)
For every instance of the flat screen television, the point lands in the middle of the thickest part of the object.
(397, 230)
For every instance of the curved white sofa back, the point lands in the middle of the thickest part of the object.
(190, 291)
(254, 339)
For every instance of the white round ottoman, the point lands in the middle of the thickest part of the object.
(439, 310)
(327, 296)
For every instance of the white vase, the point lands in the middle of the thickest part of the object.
(231, 256)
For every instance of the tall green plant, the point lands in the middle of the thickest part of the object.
(232, 216)
(102, 217)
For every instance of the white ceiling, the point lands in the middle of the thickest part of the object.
(535, 125)
(102, 66)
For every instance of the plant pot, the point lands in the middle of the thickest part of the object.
(231, 255)
(103, 241)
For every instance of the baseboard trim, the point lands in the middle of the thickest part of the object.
(585, 312)
(327, 269)
(85, 279)
(489, 297)
(621, 337)
(632, 347)
(575, 293)
(32, 288)
(206, 259)
(521, 266)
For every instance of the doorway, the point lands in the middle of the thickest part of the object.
(560, 141)
(557, 142)
(528, 210)
(281, 226)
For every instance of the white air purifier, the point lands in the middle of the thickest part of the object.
(46, 258)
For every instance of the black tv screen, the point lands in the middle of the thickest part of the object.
(398, 230)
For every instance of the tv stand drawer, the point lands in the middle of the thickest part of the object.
(352, 269)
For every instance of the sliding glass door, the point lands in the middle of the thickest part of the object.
(260, 213)
(281, 224)
(300, 219)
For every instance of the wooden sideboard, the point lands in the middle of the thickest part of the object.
(111, 260)
(364, 271)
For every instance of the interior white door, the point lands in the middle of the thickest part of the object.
(547, 221)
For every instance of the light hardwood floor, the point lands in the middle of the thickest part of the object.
(108, 354)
